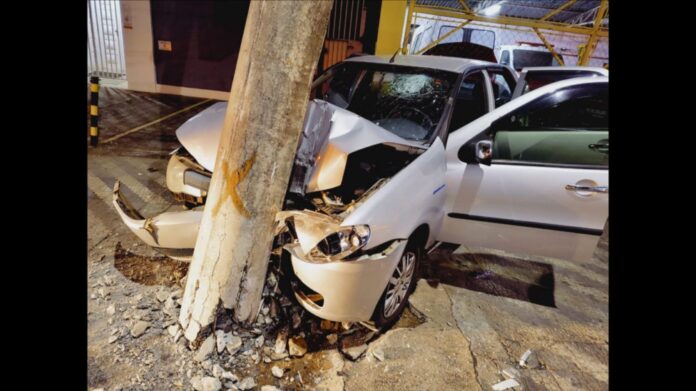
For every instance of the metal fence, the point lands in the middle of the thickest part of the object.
(346, 28)
(105, 39)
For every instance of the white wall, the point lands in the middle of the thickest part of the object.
(140, 59)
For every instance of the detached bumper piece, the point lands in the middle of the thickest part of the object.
(172, 233)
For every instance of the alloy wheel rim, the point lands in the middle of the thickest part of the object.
(397, 287)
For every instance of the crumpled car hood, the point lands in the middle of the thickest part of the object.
(348, 133)
(200, 135)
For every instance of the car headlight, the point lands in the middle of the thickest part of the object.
(340, 244)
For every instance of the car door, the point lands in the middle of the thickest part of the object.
(545, 191)
(535, 77)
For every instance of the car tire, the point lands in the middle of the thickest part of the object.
(387, 312)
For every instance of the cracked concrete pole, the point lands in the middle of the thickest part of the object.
(280, 49)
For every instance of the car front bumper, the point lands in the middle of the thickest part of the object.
(172, 233)
(344, 290)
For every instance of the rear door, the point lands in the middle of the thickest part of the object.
(546, 189)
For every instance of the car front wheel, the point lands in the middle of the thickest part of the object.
(399, 288)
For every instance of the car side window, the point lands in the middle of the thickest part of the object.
(566, 128)
(502, 88)
(470, 101)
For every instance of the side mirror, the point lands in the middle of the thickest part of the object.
(484, 152)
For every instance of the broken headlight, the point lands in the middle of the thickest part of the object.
(340, 244)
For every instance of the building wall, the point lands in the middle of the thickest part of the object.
(140, 58)
(205, 37)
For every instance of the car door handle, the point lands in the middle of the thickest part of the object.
(592, 189)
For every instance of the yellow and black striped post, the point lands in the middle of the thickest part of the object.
(93, 110)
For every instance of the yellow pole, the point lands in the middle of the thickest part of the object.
(94, 111)
(391, 23)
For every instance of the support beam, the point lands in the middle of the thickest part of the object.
(511, 21)
(557, 10)
(549, 47)
(257, 147)
(465, 5)
(407, 27)
(591, 44)
(442, 38)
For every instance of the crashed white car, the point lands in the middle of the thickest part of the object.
(397, 155)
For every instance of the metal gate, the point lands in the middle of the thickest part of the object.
(346, 28)
(105, 39)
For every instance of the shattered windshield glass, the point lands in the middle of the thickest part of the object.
(408, 102)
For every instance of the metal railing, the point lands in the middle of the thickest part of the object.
(105, 55)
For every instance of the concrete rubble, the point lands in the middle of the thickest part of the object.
(464, 337)
(506, 385)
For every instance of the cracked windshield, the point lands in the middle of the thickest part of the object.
(408, 102)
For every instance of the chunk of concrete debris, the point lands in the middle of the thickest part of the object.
(354, 352)
(281, 342)
(332, 338)
(230, 376)
(162, 296)
(259, 341)
(511, 373)
(378, 354)
(205, 383)
(113, 339)
(247, 383)
(277, 371)
(297, 346)
(222, 338)
(172, 330)
(139, 328)
(270, 388)
(328, 325)
(505, 385)
(296, 320)
(178, 335)
(110, 310)
(217, 370)
(234, 344)
(206, 349)
(529, 359)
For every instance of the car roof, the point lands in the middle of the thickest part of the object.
(451, 64)
(569, 68)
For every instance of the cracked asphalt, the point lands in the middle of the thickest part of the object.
(483, 308)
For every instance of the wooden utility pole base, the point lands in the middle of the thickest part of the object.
(280, 48)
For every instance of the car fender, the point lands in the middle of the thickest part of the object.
(414, 196)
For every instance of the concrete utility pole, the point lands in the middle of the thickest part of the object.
(280, 48)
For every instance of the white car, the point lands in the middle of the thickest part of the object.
(395, 156)
(525, 55)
